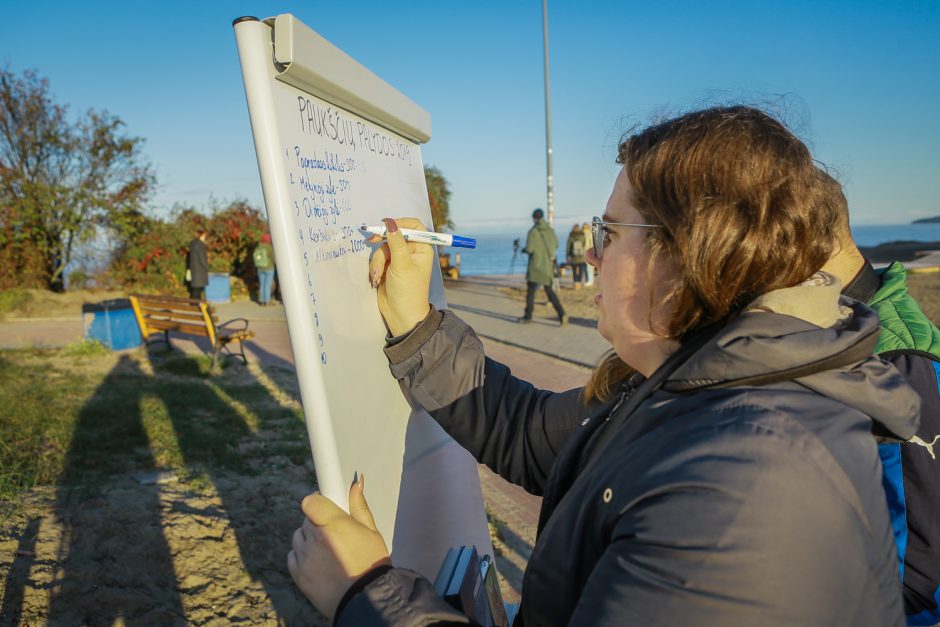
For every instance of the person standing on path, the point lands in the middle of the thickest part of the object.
(574, 251)
(263, 257)
(540, 245)
(588, 268)
(197, 266)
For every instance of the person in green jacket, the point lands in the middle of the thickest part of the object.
(263, 256)
(911, 471)
(540, 245)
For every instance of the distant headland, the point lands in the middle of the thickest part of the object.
(897, 251)
(905, 247)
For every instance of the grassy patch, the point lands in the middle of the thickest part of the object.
(84, 348)
(77, 422)
(32, 440)
(11, 300)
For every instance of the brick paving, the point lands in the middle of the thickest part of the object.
(509, 504)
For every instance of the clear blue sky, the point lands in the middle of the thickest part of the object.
(861, 80)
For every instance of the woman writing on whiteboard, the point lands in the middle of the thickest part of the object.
(719, 468)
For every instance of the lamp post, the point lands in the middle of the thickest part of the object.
(550, 200)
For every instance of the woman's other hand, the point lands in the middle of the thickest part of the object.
(401, 273)
(332, 549)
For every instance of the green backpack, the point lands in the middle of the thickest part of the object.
(262, 260)
(577, 248)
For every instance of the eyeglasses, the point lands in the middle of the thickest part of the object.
(599, 229)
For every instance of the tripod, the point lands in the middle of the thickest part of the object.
(515, 253)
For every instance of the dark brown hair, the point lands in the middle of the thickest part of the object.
(743, 211)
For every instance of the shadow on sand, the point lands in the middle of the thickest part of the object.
(90, 591)
(11, 607)
(213, 431)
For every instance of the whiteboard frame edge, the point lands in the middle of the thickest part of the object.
(307, 61)
(253, 42)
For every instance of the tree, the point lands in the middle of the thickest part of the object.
(62, 180)
(439, 197)
(154, 257)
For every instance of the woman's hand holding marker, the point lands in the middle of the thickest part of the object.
(400, 271)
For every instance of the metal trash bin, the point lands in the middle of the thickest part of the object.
(112, 322)
(219, 289)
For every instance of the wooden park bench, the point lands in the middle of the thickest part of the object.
(447, 270)
(190, 317)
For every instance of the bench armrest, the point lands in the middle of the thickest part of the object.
(224, 325)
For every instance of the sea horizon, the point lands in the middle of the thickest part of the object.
(494, 253)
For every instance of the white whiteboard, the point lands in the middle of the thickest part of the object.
(337, 147)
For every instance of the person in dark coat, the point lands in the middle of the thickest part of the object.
(197, 266)
(720, 467)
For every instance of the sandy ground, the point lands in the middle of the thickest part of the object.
(925, 287)
(577, 303)
(157, 554)
(151, 548)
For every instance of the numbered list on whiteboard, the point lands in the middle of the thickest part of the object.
(342, 172)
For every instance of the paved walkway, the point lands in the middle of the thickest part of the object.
(478, 300)
(492, 314)
(549, 356)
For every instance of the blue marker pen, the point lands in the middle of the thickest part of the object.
(425, 237)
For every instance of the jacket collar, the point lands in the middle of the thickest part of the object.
(765, 346)
(864, 284)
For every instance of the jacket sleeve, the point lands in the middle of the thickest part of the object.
(530, 248)
(921, 487)
(504, 422)
(399, 598)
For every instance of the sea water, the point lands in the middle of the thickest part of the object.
(496, 254)
(874, 234)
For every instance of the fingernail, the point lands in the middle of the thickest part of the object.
(391, 224)
(362, 480)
